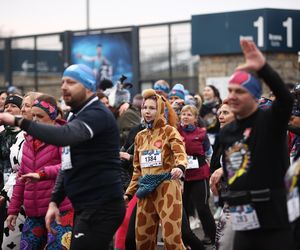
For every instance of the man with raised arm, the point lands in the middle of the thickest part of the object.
(90, 171)
(255, 156)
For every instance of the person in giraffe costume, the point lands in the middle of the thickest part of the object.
(159, 163)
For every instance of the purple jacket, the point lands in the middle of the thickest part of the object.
(35, 196)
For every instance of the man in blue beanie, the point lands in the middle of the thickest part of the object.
(177, 93)
(90, 172)
(255, 156)
(162, 88)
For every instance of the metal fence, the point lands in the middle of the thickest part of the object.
(159, 51)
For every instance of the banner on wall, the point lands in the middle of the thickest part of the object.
(273, 30)
(109, 55)
(23, 61)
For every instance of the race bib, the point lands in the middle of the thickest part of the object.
(293, 204)
(243, 218)
(151, 158)
(66, 158)
(192, 162)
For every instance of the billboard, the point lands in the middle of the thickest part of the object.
(108, 54)
(273, 30)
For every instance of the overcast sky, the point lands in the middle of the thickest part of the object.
(26, 17)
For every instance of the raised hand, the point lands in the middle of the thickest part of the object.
(255, 60)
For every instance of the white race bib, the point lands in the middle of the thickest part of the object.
(66, 158)
(151, 158)
(243, 218)
(192, 162)
(293, 204)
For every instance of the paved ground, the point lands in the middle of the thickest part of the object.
(198, 232)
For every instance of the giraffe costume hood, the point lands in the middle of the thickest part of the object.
(163, 106)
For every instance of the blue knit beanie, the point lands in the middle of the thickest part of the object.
(247, 81)
(177, 90)
(82, 74)
(161, 87)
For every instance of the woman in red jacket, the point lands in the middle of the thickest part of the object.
(196, 182)
(39, 167)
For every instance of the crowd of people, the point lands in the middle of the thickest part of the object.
(106, 173)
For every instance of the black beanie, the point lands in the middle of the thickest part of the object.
(14, 99)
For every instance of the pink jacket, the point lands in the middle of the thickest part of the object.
(35, 196)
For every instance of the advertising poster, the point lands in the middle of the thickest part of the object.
(109, 55)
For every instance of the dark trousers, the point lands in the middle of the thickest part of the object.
(296, 234)
(263, 239)
(2, 220)
(188, 237)
(94, 228)
(197, 192)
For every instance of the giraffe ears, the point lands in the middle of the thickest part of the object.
(148, 92)
(172, 117)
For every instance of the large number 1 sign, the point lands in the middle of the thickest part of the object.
(273, 30)
(259, 24)
(288, 24)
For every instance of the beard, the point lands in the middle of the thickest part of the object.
(75, 100)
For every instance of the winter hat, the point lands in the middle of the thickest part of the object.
(14, 99)
(177, 90)
(13, 90)
(161, 87)
(47, 107)
(247, 81)
(82, 74)
(189, 100)
(264, 103)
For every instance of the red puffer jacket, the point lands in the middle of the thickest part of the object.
(35, 196)
(194, 141)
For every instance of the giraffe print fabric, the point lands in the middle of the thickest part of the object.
(164, 204)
